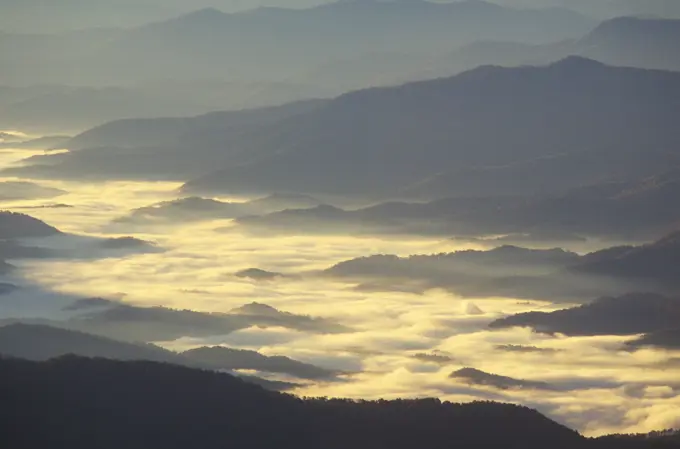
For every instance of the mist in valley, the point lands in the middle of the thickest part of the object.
(370, 200)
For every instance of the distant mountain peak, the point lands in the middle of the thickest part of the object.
(201, 16)
(205, 12)
(577, 62)
(633, 27)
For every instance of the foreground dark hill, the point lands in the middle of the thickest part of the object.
(67, 403)
(83, 403)
(381, 140)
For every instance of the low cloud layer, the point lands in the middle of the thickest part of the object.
(391, 342)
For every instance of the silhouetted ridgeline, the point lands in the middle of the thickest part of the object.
(622, 41)
(474, 376)
(134, 323)
(83, 403)
(509, 271)
(573, 123)
(632, 210)
(14, 225)
(40, 343)
(282, 41)
(568, 108)
(664, 338)
(625, 315)
(196, 209)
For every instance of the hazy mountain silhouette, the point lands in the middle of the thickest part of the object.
(474, 376)
(40, 143)
(151, 133)
(623, 41)
(23, 190)
(128, 243)
(134, 323)
(606, 8)
(210, 44)
(258, 274)
(664, 338)
(634, 42)
(226, 358)
(658, 262)
(197, 209)
(535, 112)
(572, 123)
(434, 357)
(64, 108)
(503, 272)
(625, 315)
(523, 349)
(635, 210)
(12, 250)
(509, 271)
(40, 342)
(45, 16)
(157, 147)
(6, 268)
(6, 288)
(310, 52)
(14, 225)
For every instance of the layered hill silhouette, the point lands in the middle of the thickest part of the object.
(548, 122)
(625, 315)
(279, 40)
(509, 271)
(23, 190)
(156, 147)
(227, 358)
(665, 339)
(629, 210)
(93, 76)
(148, 403)
(132, 323)
(639, 41)
(197, 209)
(15, 225)
(41, 343)
(573, 108)
(658, 262)
(477, 377)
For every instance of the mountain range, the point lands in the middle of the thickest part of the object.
(89, 77)
(252, 44)
(159, 404)
(554, 274)
(376, 142)
(41, 343)
(527, 213)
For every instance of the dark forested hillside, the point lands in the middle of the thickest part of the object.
(84, 403)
